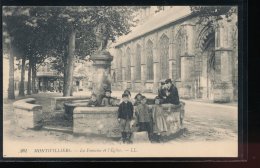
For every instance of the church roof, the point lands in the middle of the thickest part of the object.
(155, 22)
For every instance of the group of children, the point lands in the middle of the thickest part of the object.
(107, 100)
(150, 120)
(141, 118)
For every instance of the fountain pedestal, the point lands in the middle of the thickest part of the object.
(101, 74)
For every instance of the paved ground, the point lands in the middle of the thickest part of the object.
(203, 122)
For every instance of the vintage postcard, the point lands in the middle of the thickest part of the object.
(120, 81)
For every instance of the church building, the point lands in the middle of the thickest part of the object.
(201, 59)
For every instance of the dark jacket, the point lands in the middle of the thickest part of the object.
(126, 111)
(173, 97)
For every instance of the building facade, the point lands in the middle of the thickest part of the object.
(201, 59)
(49, 80)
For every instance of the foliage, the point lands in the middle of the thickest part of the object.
(41, 32)
(210, 14)
(44, 30)
(30, 38)
(84, 20)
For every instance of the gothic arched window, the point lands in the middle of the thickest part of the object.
(128, 64)
(149, 60)
(138, 62)
(164, 56)
(119, 64)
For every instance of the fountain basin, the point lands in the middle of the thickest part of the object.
(103, 120)
(69, 106)
(57, 103)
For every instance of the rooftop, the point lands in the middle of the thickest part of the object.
(157, 21)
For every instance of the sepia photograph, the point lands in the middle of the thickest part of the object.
(120, 81)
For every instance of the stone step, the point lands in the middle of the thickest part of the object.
(59, 129)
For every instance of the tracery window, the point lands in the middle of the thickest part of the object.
(164, 56)
(138, 62)
(128, 64)
(119, 64)
(149, 60)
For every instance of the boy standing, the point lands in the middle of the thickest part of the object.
(125, 116)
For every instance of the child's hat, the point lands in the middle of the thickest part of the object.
(168, 81)
(125, 95)
(127, 92)
(162, 81)
(107, 90)
(138, 95)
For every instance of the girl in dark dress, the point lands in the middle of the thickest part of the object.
(144, 117)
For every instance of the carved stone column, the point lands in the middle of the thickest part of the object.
(101, 77)
(171, 54)
(223, 89)
(156, 66)
(132, 66)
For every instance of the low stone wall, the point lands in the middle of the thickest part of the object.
(28, 114)
(96, 120)
(57, 103)
(103, 120)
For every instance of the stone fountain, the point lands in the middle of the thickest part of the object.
(101, 74)
(102, 62)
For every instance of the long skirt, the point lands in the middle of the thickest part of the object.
(160, 125)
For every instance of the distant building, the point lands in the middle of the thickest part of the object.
(49, 79)
(201, 59)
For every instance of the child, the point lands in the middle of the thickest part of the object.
(128, 92)
(107, 99)
(138, 99)
(159, 123)
(93, 102)
(125, 117)
(144, 117)
(162, 91)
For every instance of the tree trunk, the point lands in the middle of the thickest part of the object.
(65, 71)
(34, 78)
(11, 94)
(29, 78)
(70, 66)
(21, 89)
